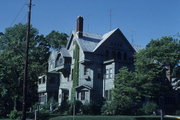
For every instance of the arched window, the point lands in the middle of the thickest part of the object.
(114, 54)
(125, 56)
(107, 53)
(119, 56)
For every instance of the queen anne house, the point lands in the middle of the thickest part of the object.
(85, 69)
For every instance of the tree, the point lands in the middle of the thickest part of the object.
(12, 63)
(149, 81)
(155, 66)
(56, 40)
(125, 94)
(153, 61)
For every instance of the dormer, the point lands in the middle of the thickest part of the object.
(63, 61)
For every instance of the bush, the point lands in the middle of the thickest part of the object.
(177, 112)
(43, 115)
(78, 107)
(108, 109)
(15, 115)
(64, 108)
(149, 107)
(86, 109)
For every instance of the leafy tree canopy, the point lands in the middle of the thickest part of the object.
(149, 81)
(12, 49)
(56, 40)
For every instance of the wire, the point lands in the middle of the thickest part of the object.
(19, 12)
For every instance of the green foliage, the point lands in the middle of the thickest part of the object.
(108, 109)
(91, 108)
(149, 108)
(56, 40)
(12, 49)
(110, 118)
(149, 79)
(177, 112)
(75, 71)
(14, 115)
(64, 108)
(125, 94)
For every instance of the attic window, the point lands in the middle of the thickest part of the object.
(107, 53)
(113, 54)
(119, 55)
(125, 56)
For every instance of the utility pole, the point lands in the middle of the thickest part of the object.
(26, 62)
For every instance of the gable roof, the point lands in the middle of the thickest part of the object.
(53, 55)
(91, 42)
(64, 52)
(104, 38)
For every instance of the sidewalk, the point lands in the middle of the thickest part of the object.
(172, 116)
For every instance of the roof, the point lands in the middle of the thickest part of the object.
(90, 42)
(104, 37)
(53, 55)
(65, 52)
(137, 48)
(83, 86)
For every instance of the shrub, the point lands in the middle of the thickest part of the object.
(15, 115)
(149, 107)
(64, 108)
(108, 109)
(78, 107)
(86, 109)
(177, 112)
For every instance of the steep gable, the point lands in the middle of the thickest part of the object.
(114, 40)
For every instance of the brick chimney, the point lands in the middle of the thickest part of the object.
(79, 27)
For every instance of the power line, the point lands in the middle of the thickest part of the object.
(19, 12)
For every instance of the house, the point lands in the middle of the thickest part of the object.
(48, 86)
(86, 68)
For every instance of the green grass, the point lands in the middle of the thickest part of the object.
(109, 118)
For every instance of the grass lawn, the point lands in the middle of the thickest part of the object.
(109, 118)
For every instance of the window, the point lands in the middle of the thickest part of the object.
(99, 73)
(110, 73)
(72, 74)
(119, 55)
(82, 95)
(107, 73)
(108, 95)
(39, 81)
(114, 54)
(85, 70)
(107, 53)
(44, 80)
(125, 56)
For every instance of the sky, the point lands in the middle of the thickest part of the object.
(139, 20)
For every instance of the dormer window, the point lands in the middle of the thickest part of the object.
(125, 56)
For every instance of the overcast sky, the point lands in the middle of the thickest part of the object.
(139, 20)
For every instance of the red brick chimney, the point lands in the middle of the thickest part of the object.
(79, 27)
